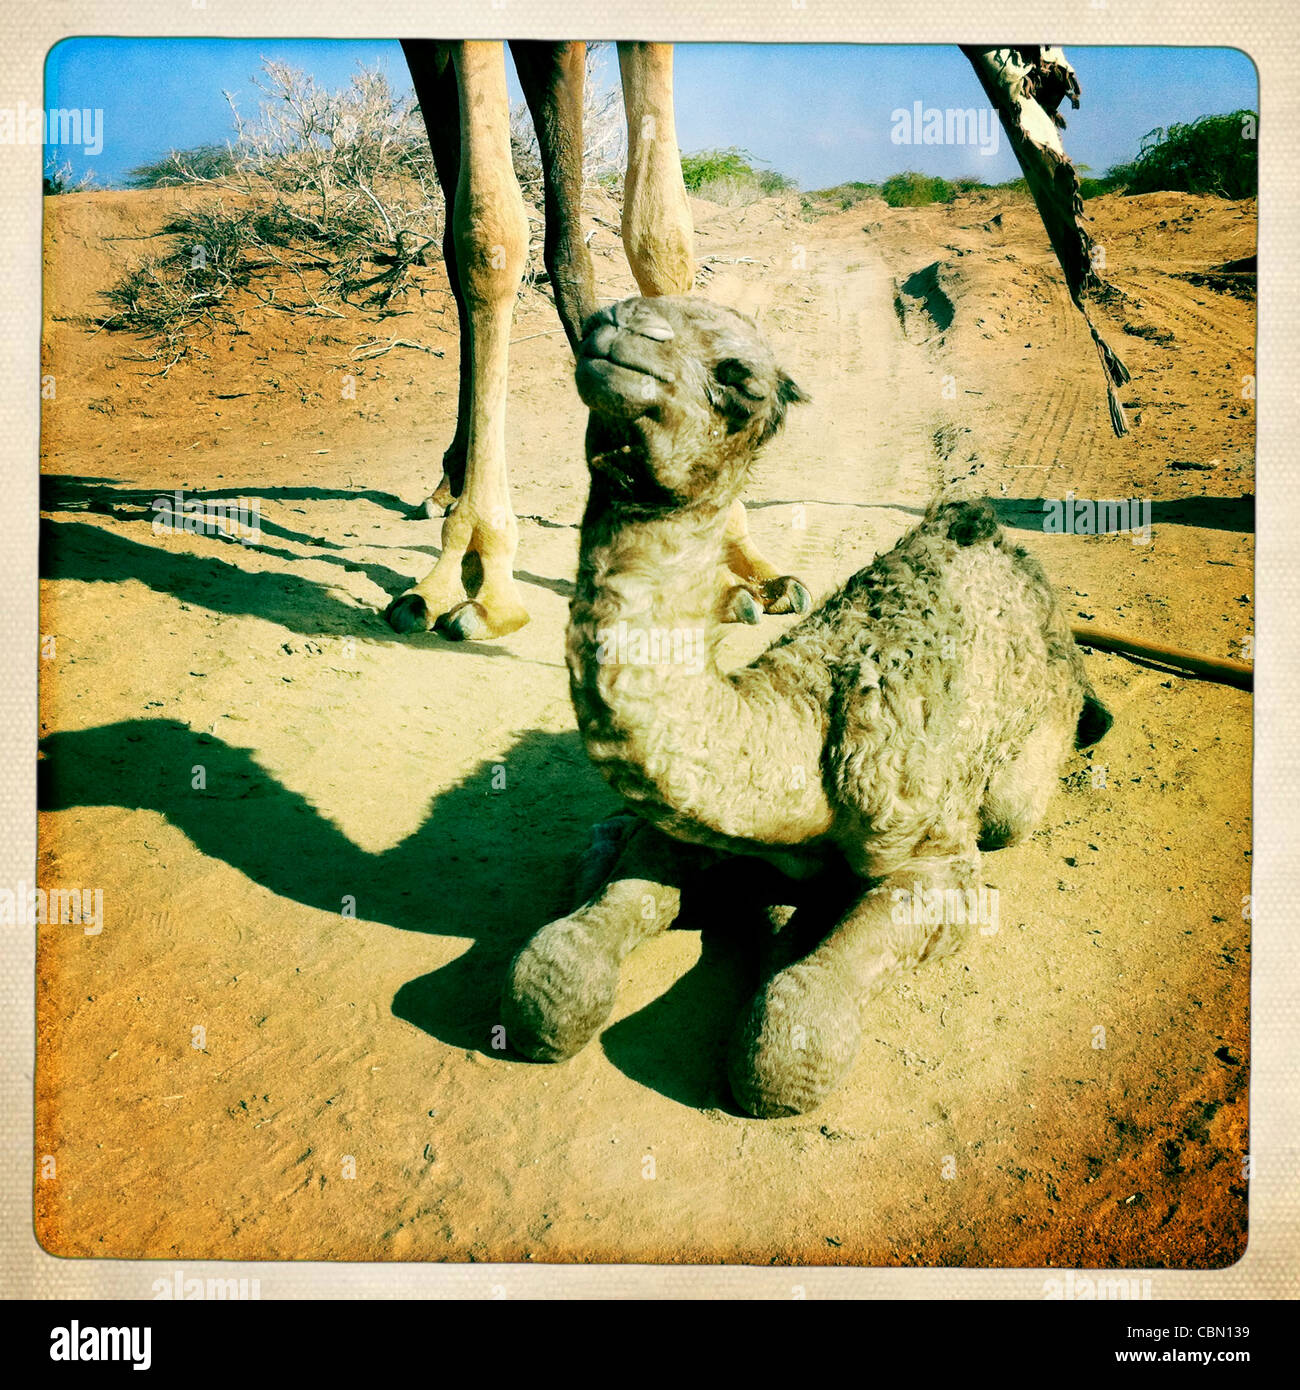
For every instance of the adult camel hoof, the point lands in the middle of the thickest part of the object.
(559, 992)
(796, 1042)
(408, 613)
(442, 500)
(472, 622)
(786, 595)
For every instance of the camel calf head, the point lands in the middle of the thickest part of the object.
(682, 393)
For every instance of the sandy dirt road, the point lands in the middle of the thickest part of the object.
(320, 843)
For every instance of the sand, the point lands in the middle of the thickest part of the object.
(319, 842)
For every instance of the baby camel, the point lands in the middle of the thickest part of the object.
(922, 712)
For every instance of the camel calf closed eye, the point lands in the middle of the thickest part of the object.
(922, 712)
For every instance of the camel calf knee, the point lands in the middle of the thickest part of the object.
(560, 988)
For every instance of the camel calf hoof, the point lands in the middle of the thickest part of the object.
(408, 613)
(559, 992)
(796, 1042)
(746, 603)
(740, 606)
(786, 595)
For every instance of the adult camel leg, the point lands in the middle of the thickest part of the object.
(658, 237)
(560, 988)
(658, 234)
(553, 76)
(800, 1036)
(471, 591)
(434, 77)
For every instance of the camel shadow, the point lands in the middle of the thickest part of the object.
(1027, 513)
(66, 492)
(95, 495)
(493, 860)
(677, 1044)
(1211, 513)
(95, 554)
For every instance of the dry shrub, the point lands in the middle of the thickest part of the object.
(324, 198)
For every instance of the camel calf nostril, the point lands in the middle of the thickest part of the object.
(599, 340)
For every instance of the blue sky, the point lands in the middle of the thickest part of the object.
(822, 114)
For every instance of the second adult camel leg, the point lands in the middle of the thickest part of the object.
(553, 76)
(434, 77)
(471, 591)
(658, 233)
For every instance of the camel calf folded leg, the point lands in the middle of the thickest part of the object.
(560, 988)
(751, 584)
(800, 1036)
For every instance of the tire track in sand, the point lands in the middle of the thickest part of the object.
(852, 479)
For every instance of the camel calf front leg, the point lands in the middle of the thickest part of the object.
(560, 988)
(800, 1036)
(750, 582)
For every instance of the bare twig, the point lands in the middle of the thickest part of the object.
(529, 336)
(364, 351)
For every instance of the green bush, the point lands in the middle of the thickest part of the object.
(913, 190)
(1213, 154)
(184, 166)
(730, 176)
(847, 195)
(1094, 188)
(710, 166)
(770, 181)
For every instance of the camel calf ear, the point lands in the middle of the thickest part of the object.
(790, 391)
(787, 394)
